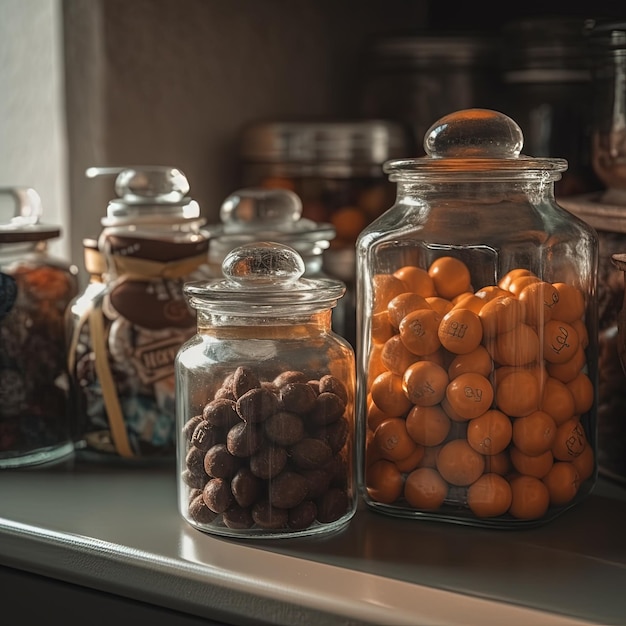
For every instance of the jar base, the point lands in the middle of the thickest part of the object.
(38, 457)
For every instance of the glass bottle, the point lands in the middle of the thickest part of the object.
(265, 401)
(128, 324)
(478, 335)
(35, 289)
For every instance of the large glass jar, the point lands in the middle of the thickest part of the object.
(127, 326)
(35, 289)
(478, 337)
(265, 401)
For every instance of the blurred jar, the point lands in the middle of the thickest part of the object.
(126, 327)
(477, 359)
(413, 80)
(266, 214)
(547, 87)
(265, 401)
(607, 49)
(35, 290)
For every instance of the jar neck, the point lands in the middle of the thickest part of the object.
(255, 326)
(19, 251)
(481, 191)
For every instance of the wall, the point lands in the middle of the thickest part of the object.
(33, 145)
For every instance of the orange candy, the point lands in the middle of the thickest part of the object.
(477, 361)
(381, 328)
(460, 331)
(489, 496)
(519, 346)
(517, 394)
(417, 280)
(395, 357)
(557, 400)
(498, 464)
(388, 395)
(562, 482)
(425, 383)
(412, 461)
(425, 489)
(585, 463)
(451, 277)
(538, 299)
(535, 433)
(505, 281)
(419, 331)
(581, 389)
(427, 425)
(570, 305)
(384, 482)
(402, 305)
(490, 433)
(570, 440)
(500, 315)
(469, 395)
(560, 341)
(385, 287)
(459, 464)
(441, 305)
(530, 498)
(393, 440)
(517, 284)
(537, 466)
(567, 371)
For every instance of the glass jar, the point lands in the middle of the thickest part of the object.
(478, 338)
(265, 401)
(35, 289)
(127, 326)
(265, 214)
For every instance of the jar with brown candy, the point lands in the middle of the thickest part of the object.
(35, 290)
(265, 401)
(126, 327)
(478, 348)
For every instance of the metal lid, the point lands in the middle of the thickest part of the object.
(475, 144)
(147, 193)
(258, 214)
(20, 214)
(264, 278)
(367, 142)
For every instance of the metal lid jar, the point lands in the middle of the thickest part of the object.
(478, 339)
(127, 326)
(265, 401)
(35, 290)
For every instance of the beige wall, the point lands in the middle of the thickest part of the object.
(173, 82)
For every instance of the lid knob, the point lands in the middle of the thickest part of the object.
(251, 208)
(474, 133)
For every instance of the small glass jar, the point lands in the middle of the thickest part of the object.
(35, 290)
(265, 401)
(125, 329)
(478, 347)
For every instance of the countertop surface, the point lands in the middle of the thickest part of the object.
(118, 530)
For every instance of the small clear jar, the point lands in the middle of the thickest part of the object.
(35, 290)
(265, 402)
(125, 328)
(478, 344)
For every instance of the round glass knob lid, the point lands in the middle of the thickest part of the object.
(257, 208)
(474, 133)
(263, 263)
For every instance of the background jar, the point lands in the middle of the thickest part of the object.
(35, 290)
(125, 328)
(265, 402)
(478, 346)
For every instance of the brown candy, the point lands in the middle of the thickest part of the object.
(217, 495)
(221, 413)
(244, 379)
(220, 463)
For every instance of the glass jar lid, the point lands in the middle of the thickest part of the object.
(20, 214)
(258, 214)
(475, 144)
(148, 193)
(263, 278)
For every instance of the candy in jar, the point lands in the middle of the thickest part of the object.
(35, 290)
(479, 335)
(132, 318)
(265, 401)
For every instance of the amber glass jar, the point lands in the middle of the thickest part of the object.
(35, 290)
(125, 329)
(478, 335)
(265, 401)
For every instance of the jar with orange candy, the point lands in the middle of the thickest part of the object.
(478, 343)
